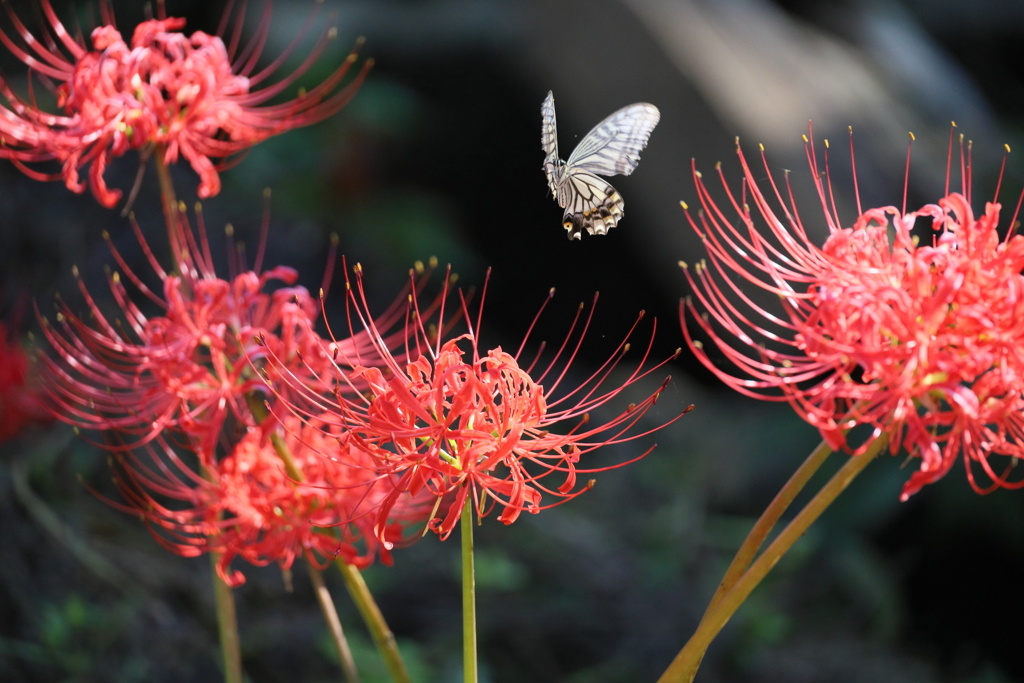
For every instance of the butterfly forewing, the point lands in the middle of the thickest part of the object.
(549, 142)
(613, 147)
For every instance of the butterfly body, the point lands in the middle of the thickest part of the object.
(613, 147)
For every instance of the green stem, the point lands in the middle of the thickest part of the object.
(227, 624)
(169, 201)
(348, 666)
(382, 636)
(468, 596)
(764, 525)
(684, 666)
(323, 596)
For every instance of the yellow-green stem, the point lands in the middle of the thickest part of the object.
(764, 525)
(169, 201)
(468, 595)
(382, 636)
(348, 666)
(227, 625)
(323, 596)
(684, 666)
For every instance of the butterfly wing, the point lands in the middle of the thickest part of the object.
(590, 203)
(613, 147)
(549, 142)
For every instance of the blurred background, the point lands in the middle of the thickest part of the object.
(439, 155)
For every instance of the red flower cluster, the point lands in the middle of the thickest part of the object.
(451, 422)
(187, 95)
(187, 369)
(362, 437)
(20, 403)
(314, 497)
(176, 396)
(920, 340)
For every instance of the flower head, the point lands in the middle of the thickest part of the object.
(180, 400)
(308, 496)
(189, 96)
(196, 365)
(918, 338)
(457, 422)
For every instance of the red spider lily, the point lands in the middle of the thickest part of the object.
(20, 403)
(191, 367)
(192, 96)
(923, 341)
(453, 422)
(246, 504)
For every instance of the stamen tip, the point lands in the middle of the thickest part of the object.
(683, 204)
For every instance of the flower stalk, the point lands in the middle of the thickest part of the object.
(227, 625)
(168, 200)
(323, 596)
(468, 595)
(766, 522)
(382, 636)
(684, 666)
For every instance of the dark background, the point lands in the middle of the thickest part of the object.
(439, 155)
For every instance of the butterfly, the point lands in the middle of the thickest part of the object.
(612, 147)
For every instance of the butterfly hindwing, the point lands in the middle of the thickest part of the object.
(591, 204)
(613, 147)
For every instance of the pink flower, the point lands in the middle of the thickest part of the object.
(924, 341)
(188, 95)
(452, 422)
